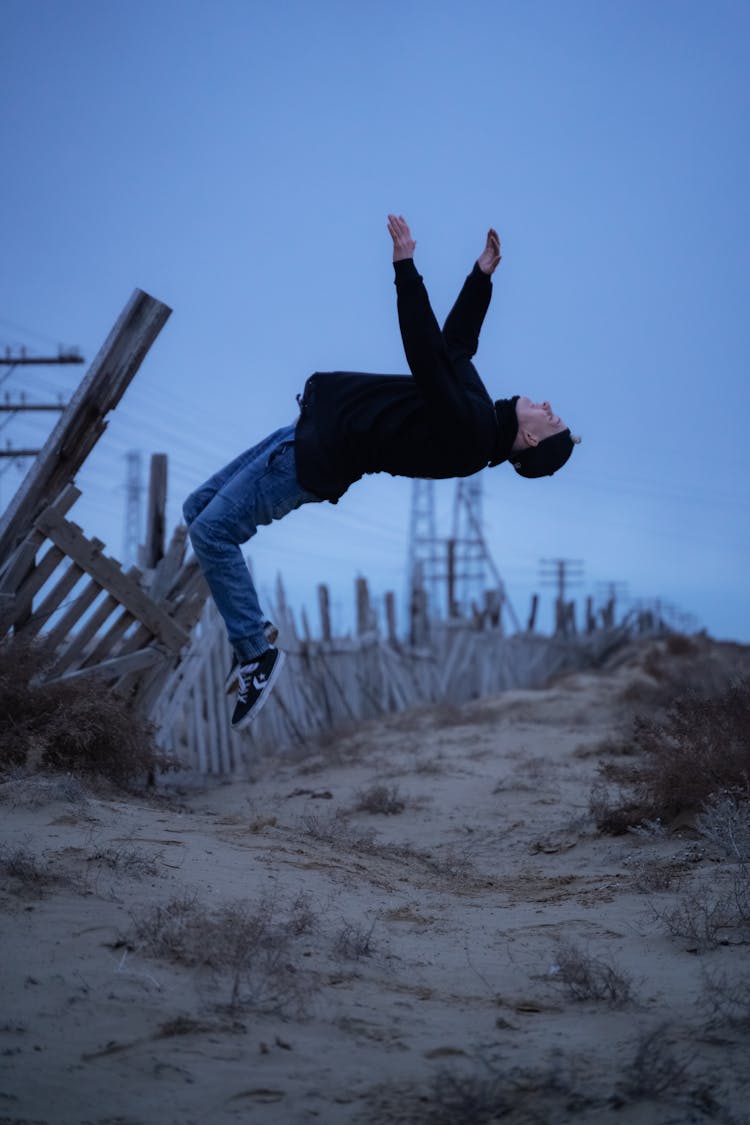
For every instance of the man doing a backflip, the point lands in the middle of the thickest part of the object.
(437, 422)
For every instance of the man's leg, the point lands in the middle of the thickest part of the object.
(256, 488)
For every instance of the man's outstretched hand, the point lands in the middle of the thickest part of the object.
(403, 243)
(490, 257)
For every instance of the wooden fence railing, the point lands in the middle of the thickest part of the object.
(330, 683)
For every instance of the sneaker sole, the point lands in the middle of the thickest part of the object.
(248, 718)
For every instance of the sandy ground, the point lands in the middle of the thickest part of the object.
(262, 951)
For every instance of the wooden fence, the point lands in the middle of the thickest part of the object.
(329, 683)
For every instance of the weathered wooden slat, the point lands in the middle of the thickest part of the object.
(71, 654)
(168, 569)
(73, 613)
(20, 561)
(116, 666)
(106, 645)
(46, 608)
(83, 420)
(70, 539)
(16, 612)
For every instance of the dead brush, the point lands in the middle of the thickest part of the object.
(698, 749)
(450, 866)
(709, 916)
(727, 1000)
(587, 978)
(77, 725)
(354, 941)
(33, 875)
(655, 1073)
(725, 823)
(245, 944)
(380, 799)
(481, 1096)
(125, 861)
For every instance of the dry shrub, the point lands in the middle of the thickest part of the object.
(707, 917)
(725, 822)
(481, 1096)
(590, 978)
(655, 1073)
(78, 725)
(33, 875)
(354, 941)
(380, 798)
(697, 749)
(247, 944)
(448, 866)
(727, 999)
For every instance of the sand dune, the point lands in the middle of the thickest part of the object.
(415, 923)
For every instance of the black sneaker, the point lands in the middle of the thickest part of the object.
(255, 682)
(232, 680)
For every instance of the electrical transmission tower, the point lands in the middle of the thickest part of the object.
(457, 573)
(426, 563)
(468, 556)
(133, 506)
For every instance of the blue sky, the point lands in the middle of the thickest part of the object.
(237, 160)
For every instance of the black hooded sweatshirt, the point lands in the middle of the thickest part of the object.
(439, 422)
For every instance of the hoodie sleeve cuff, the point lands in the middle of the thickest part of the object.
(479, 273)
(405, 269)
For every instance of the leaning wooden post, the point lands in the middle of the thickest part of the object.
(590, 615)
(364, 613)
(324, 604)
(153, 550)
(390, 617)
(83, 421)
(532, 613)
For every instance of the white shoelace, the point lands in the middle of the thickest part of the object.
(244, 674)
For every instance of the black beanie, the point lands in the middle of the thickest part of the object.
(544, 459)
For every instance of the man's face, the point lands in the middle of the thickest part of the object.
(537, 419)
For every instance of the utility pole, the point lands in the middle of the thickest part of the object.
(563, 573)
(11, 361)
(70, 355)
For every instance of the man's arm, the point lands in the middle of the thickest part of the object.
(426, 348)
(464, 321)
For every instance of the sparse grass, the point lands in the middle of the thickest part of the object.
(708, 916)
(448, 866)
(587, 978)
(34, 875)
(36, 791)
(725, 822)
(652, 876)
(380, 798)
(354, 941)
(655, 1073)
(77, 725)
(727, 999)
(126, 861)
(696, 751)
(245, 944)
(481, 1096)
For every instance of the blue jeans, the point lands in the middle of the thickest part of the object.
(257, 487)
